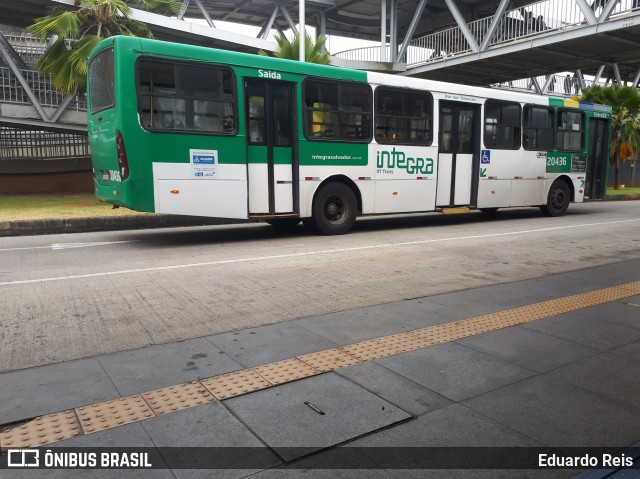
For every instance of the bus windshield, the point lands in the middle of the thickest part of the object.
(101, 78)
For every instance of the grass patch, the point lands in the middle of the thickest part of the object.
(623, 191)
(35, 207)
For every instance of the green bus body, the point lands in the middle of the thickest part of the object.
(393, 158)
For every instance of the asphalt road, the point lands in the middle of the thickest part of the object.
(79, 295)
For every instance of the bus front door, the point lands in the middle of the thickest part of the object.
(270, 130)
(458, 154)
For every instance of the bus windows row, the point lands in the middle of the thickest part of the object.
(176, 96)
(336, 111)
(543, 128)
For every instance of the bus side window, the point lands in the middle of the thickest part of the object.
(403, 116)
(501, 125)
(538, 127)
(337, 111)
(185, 97)
(571, 127)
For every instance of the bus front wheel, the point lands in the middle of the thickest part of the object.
(557, 200)
(334, 209)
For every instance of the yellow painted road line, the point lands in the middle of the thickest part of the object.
(108, 414)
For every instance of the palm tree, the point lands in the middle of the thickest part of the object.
(77, 32)
(625, 120)
(290, 49)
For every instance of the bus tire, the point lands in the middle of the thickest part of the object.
(283, 224)
(557, 200)
(334, 209)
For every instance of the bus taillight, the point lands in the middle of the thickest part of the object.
(122, 157)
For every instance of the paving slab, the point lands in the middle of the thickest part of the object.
(419, 313)
(398, 390)
(613, 376)
(211, 425)
(131, 435)
(607, 275)
(455, 371)
(489, 299)
(308, 473)
(313, 467)
(266, 344)
(527, 348)
(631, 350)
(581, 327)
(558, 414)
(625, 312)
(452, 426)
(32, 392)
(154, 367)
(281, 417)
(352, 326)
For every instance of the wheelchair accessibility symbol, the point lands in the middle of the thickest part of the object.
(485, 157)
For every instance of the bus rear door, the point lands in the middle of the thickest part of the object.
(270, 146)
(458, 156)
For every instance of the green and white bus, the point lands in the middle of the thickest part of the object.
(190, 130)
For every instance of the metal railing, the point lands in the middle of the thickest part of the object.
(12, 92)
(520, 23)
(28, 47)
(18, 144)
(559, 85)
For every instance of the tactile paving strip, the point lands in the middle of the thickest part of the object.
(285, 371)
(235, 384)
(175, 398)
(108, 414)
(97, 417)
(371, 349)
(328, 360)
(41, 431)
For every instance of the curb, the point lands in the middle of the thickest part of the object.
(103, 223)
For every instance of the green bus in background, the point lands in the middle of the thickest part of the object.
(190, 130)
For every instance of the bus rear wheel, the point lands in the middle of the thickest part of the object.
(334, 209)
(557, 200)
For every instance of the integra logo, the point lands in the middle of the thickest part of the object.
(269, 74)
(397, 159)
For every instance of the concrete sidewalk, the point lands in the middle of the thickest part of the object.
(567, 380)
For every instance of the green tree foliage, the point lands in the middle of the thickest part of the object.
(290, 50)
(77, 32)
(625, 120)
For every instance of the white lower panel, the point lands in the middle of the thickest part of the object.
(258, 188)
(445, 167)
(214, 198)
(462, 195)
(397, 196)
(526, 192)
(493, 193)
(283, 192)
